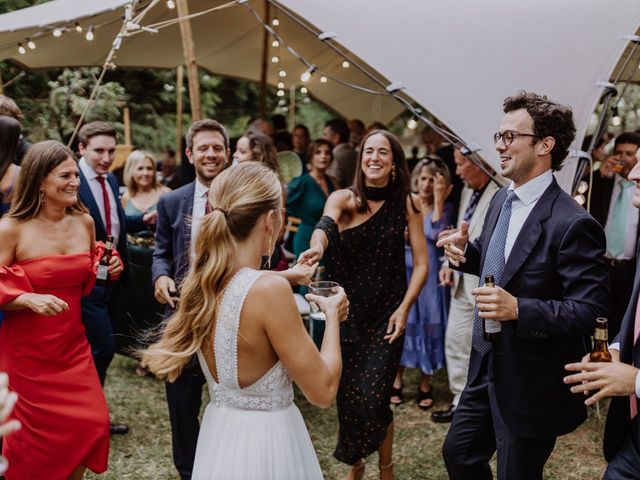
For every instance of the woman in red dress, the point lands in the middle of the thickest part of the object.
(47, 260)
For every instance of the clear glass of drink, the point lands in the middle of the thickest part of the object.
(322, 289)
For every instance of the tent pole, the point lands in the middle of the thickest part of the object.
(265, 63)
(179, 86)
(127, 125)
(292, 107)
(190, 57)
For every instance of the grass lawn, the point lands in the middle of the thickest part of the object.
(145, 453)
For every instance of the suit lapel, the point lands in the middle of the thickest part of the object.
(530, 232)
(87, 197)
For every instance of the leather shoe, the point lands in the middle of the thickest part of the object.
(118, 429)
(443, 416)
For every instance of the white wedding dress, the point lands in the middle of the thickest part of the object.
(256, 432)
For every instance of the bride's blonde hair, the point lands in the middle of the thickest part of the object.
(238, 196)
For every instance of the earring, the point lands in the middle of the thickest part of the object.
(41, 199)
(393, 172)
(270, 252)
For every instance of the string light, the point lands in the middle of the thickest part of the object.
(282, 73)
(275, 44)
(78, 28)
(345, 64)
(171, 4)
(307, 75)
(323, 79)
(89, 35)
(583, 187)
(280, 85)
(412, 124)
(304, 90)
(57, 32)
(21, 49)
(275, 59)
(275, 22)
(580, 199)
(280, 93)
(31, 44)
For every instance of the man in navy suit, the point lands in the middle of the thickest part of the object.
(99, 192)
(545, 253)
(618, 379)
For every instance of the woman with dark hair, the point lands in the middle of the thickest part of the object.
(10, 131)
(257, 147)
(361, 237)
(47, 260)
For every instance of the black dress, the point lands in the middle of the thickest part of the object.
(368, 261)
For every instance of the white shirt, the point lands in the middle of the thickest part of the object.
(96, 190)
(631, 231)
(527, 195)
(200, 195)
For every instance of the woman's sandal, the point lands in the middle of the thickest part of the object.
(422, 396)
(396, 392)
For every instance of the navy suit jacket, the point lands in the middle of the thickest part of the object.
(618, 423)
(556, 272)
(173, 234)
(128, 223)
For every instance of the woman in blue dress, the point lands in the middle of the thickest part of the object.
(141, 310)
(307, 194)
(424, 336)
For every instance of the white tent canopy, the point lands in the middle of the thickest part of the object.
(457, 58)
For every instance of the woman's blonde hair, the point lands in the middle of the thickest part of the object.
(239, 197)
(133, 160)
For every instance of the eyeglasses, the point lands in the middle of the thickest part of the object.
(432, 159)
(508, 136)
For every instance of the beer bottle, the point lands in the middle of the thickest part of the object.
(102, 275)
(600, 352)
(491, 329)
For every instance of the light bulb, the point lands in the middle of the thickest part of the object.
(275, 44)
(275, 22)
(282, 73)
(89, 35)
(580, 199)
(323, 79)
(275, 59)
(412, 124)
(78, 28)
(21, 49)
(171, 4)
(31, 44)
(616, 121)
(303, 90)
(280, 85)
(57, 32)
(583, 187)
(305, 76)
(280, 93)
(345, 64)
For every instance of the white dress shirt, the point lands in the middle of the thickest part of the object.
(96, 190)
(200, 195)
(527, 196)
(631, 232)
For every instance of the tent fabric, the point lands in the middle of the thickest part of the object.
(458, 58)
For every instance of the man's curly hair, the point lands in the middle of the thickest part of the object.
(550, 119)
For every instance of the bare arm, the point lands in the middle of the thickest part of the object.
(316, 373)
(398, 319)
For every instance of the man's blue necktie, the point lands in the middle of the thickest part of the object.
(493, 265)
(618, 224)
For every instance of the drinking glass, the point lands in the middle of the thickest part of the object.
(322, 289)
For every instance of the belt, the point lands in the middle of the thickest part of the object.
(612, 262)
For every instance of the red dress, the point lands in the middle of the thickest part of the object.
(61, 405)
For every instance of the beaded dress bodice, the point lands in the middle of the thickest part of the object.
(273, 391)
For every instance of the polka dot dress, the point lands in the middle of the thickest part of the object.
(368, 261)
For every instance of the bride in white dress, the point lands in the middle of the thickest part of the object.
(245, 329)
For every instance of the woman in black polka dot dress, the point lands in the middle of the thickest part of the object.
(361, 237)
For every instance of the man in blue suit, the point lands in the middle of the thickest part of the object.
(545, 253)
(618, 379)
(99, 192)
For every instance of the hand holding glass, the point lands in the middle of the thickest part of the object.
(321, 289)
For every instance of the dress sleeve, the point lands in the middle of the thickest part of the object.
(13, 283)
